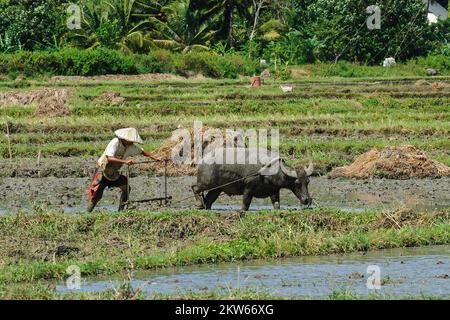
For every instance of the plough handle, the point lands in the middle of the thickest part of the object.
(165, 180)
(146, 161)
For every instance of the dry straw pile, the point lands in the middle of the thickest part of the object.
(165, 152)
(403, 162)
(49, 102)
(110, 98)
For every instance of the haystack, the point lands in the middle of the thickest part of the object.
(165, 152)
(49, 102)
(403, 162)
(422, 83)
(54, 103)
(111, 98)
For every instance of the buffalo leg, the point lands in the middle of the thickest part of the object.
(246, 200)
(275, 198)
(211, 196)
(199, 197)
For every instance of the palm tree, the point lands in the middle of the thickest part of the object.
(182, 28)
(225, 10)
(122, 24)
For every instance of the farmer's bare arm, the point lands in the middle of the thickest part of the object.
(121, 161)
(151, 156)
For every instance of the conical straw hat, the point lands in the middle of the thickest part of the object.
(129, 134)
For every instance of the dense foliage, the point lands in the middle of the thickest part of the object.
(72, 61)
(283, 32)
(31, 24)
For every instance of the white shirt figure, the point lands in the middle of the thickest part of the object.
(117, 150)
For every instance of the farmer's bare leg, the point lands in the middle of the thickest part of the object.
(123, 197)
(211, 196)
(122, 183)
(96, 197)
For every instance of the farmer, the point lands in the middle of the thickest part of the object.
(108, 166)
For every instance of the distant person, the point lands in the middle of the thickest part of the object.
(108, 166)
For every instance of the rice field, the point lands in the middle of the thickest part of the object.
(330, 120)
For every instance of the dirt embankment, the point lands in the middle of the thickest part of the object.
(47, 167)
(79, 167)
(403, 162)
(119, 77)
(49, 102)
(433, 85)
(153, 234)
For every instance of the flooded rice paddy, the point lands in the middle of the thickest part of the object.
(403, 272)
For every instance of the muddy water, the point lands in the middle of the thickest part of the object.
(403, 272)
(69, 194)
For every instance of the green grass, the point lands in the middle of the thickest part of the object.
(124, 291)
(335, 113)
(42, 245)
(413, 67)
(325, 118)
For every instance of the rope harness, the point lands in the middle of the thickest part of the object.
(167, 200)
(219, 187)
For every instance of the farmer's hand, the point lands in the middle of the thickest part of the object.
(151, 156)
(129, 162)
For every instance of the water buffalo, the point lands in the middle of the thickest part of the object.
(261, 180)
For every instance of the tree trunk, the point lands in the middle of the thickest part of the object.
(258, 7)
(227, 28)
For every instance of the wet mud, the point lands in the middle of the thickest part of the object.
(21, 194)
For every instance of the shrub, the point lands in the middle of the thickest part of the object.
(215, 66)
(94, 62)
(293, 48)
(68, 62)
(244, 65)
(439, 62)
(157, 61)
(445, 50)
(198, 62)
(90, 62)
